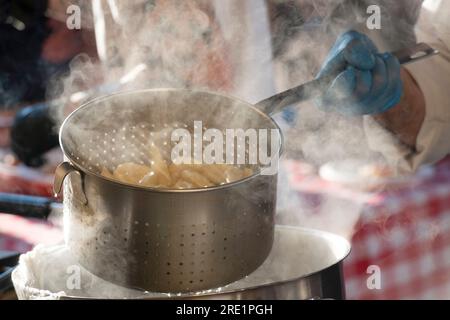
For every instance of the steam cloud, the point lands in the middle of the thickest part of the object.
(183, 47)
(195, 44)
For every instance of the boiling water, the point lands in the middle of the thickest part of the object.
(296, 253)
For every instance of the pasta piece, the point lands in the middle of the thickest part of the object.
(196, 179)
(247, 172)
(105, 172)
(150, 180)
(159, 166)
(182, 184)
(175, 170)
(130, 172)
(162, 172)
(233, 174)
(214, 173)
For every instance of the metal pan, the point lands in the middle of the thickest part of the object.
(303, 264)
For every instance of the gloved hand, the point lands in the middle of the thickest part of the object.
(365, 82)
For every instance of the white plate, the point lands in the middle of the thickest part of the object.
(354, 174)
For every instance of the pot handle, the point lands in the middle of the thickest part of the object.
(61, 173)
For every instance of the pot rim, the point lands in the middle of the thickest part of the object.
(160, 190)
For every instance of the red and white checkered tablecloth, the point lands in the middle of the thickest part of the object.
(404, 233)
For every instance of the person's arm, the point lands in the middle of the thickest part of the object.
(406, 118)
(375, 86)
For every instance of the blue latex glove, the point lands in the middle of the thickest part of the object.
(366, 82)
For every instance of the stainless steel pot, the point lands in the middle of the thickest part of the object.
(303, 264)
(153, 239)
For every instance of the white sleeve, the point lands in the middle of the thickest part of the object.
(433, 77)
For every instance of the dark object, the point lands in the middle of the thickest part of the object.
(23, 29)
(33, 134)
(8, 260)
(26, 206)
